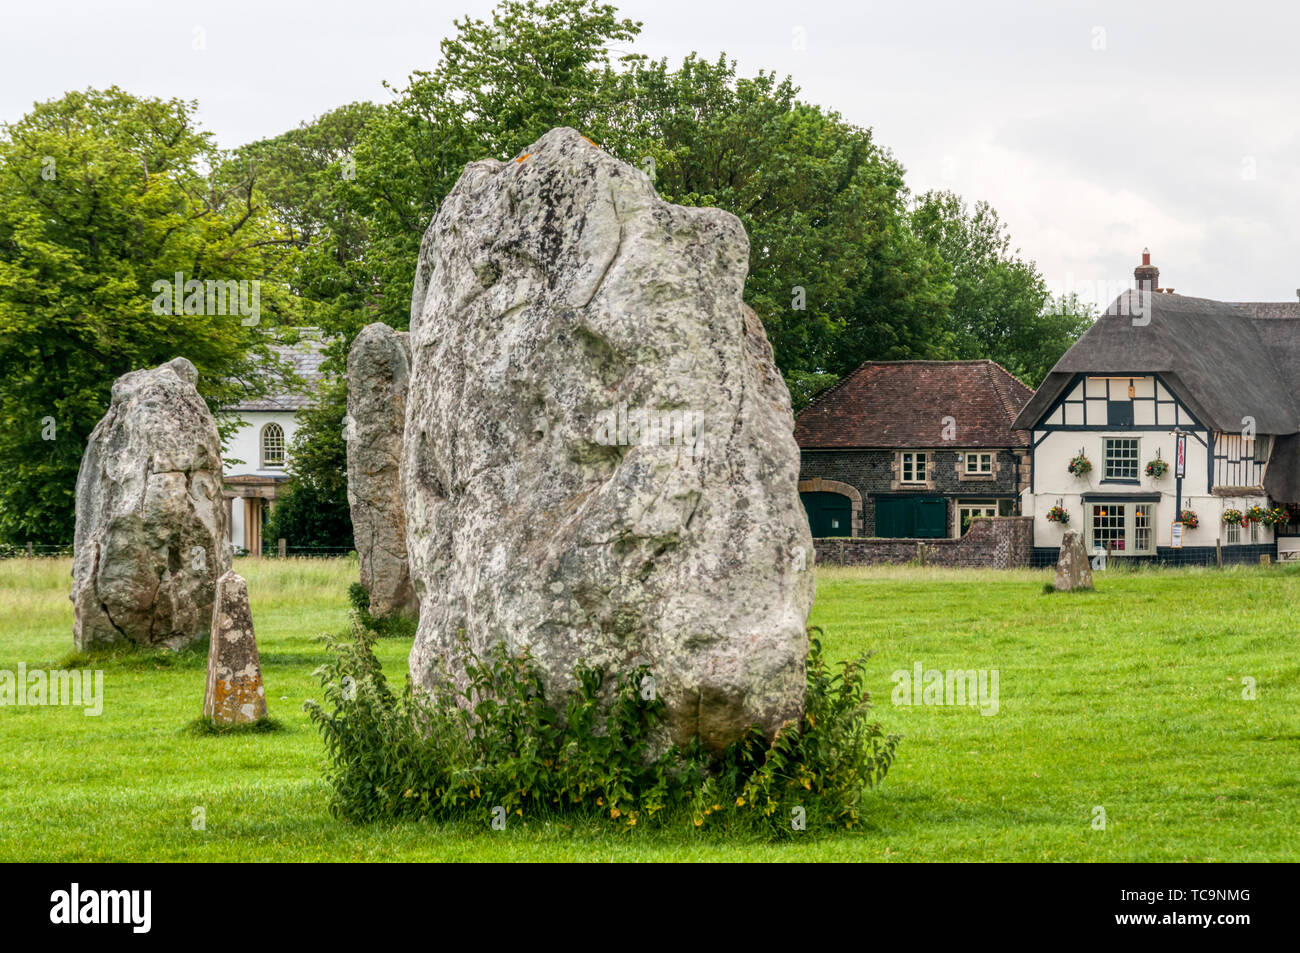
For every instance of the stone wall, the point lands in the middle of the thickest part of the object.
(1004, 542)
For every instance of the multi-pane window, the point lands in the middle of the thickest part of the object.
(913, 467)
(1121, 458)
(272, 447)
(979, 464)
(1234, 533)
(1108, 528)
(1142, 525)
(1123, 528)
(967, 512)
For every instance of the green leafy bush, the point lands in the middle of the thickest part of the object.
(308, 518)
(501, 747)
(389, 626)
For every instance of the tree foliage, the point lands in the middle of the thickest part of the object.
(102, 194)
(845, 265)
(1000, 308)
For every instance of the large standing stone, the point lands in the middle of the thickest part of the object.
(235, 694)
(599, 460)
(379, 370)
(152, 531)
(1073, 570)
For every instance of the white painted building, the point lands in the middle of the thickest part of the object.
(1156, 367)
(262, 447)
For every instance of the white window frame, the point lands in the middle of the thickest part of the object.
(975, 461)
(968, 506)
(909, 459)
(1233, 535)
(262, 447)
(1130, 514)
(1106, 458)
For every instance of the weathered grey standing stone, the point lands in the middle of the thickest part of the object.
(379, 370)
(563, 314)
(1073, 570)
(235, 694)
(152, 535)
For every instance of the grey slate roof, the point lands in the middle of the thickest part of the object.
(306, 357)
(1225, 361)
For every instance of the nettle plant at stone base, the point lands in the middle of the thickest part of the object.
(502, 749)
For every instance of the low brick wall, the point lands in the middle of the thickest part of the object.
(993, 542)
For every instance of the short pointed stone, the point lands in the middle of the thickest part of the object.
(235, 694)
(1073, 570)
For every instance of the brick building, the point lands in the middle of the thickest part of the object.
(913, 449)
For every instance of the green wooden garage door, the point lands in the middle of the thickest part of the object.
(911, 517)
(829, 514)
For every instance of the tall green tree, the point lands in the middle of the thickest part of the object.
(832, 261)
(499, 85)
(303, 176)
(102, 194)
(1001, 308)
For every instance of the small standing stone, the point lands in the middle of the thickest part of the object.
(235, 694)
(1073, 571)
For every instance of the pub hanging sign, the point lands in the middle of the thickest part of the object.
(1180, 456)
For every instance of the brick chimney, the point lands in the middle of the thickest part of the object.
(1146, 274)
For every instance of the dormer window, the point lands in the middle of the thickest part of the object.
(272, 447)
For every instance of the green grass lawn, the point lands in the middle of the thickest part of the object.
(1128, 699)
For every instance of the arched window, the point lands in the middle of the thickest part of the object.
(272, 447)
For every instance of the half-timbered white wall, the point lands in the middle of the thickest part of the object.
(1083, 421)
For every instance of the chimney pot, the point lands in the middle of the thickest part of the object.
(1147, 275)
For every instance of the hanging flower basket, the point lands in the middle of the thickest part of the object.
(1189, 519)
(1233, 517)
(1058, 514)
(1274, 516)
(1255, 514)
(1157, 468)
(1080, 464)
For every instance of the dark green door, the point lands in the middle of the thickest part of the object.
(829, 514)
(911, 517)
(932, 518)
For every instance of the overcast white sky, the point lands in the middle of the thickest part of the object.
(1094, 128)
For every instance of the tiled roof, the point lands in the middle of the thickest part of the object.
(306, 357)
(900, 404)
